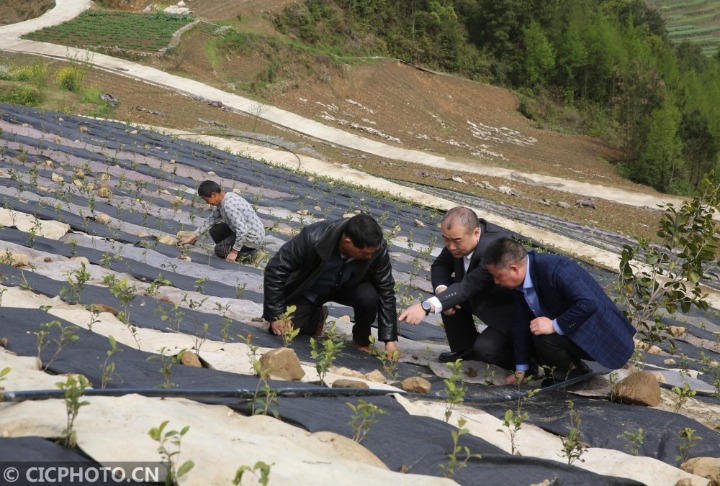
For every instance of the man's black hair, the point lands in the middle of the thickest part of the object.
(207, 188)
(504, 252)
(363, 231)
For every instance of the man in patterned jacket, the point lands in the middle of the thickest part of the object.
(561, 312)
(234, 227)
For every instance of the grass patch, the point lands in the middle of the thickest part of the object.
(108, 29)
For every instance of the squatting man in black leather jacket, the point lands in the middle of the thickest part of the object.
(343, 261)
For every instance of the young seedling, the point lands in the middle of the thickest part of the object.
(681, 395)
(175, 316)
(364, 416)
(199, 331)
(125, 294)
(455, 387)
(633, 441)
(200, 336)
(225, 330)
(252, 352)
(455, 464)
(67, 336)
(513, 420)
(168, 361)
(261, 471)
(108, 367)
(94, 316)
(156, 284)
(3, 373)
(573, 447)
(74, 389)
(34, 232)
(199, 284)
(325, 353)
(389, 360)
(288, 330)
(76, 281)
(688, 440)
(265, 396)
(169, 449)
(240, 291)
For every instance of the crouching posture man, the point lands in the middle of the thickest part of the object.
(561, 311)
(234, 227)
(343, 261)
(464, 288)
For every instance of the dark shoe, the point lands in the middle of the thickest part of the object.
(321, 324)
(451, 357)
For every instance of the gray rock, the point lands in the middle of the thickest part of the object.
(588, 202)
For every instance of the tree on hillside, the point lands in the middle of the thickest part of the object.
(639, 89)
(572, 58)
(700, 148)
(661, 164)
(539, 56)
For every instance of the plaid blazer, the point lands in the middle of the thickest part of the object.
(583, 311)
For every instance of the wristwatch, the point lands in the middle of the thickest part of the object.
(427, 307)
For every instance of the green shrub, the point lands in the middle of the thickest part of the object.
(23, 95)
(70, 78)
(37, 74)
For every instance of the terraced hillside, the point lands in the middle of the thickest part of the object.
(696, 21)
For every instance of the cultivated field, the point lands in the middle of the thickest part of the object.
(695, 21)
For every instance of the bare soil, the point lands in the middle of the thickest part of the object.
(14, 11)
(388, 101)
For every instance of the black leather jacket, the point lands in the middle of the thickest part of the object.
(295, 268)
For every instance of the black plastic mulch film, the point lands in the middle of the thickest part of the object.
(404, 442)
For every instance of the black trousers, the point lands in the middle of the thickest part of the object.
(559, 352)
(364, 300)
(224, 238)
(490, 346)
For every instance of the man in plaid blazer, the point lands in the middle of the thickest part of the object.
(561, 312)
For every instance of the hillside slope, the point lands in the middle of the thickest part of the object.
(389, 102)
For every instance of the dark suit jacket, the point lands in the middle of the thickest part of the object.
(476, 288)
(298, 264)
(583, 311)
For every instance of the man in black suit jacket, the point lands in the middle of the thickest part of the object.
(463, 288)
